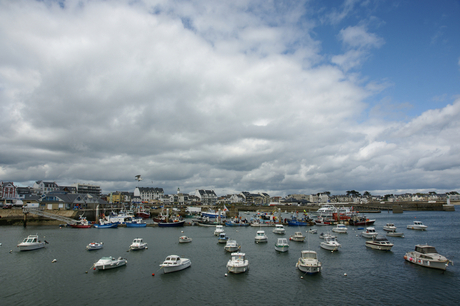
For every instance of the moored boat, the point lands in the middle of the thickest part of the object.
(219, 229)
(110, 262)
(279, 229)
(340, 228)
(94, 246)
(389, 227)
(231, 246)
(308, 262)
(298, 236)
(395, 234)
(427, 256)
(135, 222)
(138, 244)
(369, 233)
(379, 243)
(330, 244)
(260, 237)
(282, 245)
(238, 263)
(222, 238)
(81, 223)
(174, 263)
(418, 225)
(184, 239)
(31, 243)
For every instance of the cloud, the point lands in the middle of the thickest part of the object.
(229, 96)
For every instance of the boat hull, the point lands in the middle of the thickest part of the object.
(377, 246)
(237, 268)
(80, 225)
(172, 224)
(309, 269)
(394, 234)
(417, 228)
(440, 265)
(136, 224)
(113, 225)
(113, 265)
(176, 268)
(329, 247)
(31, 247)
(282, 248)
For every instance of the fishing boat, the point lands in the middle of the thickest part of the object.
(219, 229)
(340, 228)
(308, 262)
(166, 221)
(31, 243)
(260, 237)
(143, 213)
(222, 238)
(296, 221)
(279, 229)
(136, 222)
(231, 246)
(174, 263)
(298, 236)
(418, 225)
(103, 223)
(369, 233)
(282, 245)
(427, 256)
(184, 239)
(138, 244)
(238, 263)
(389, 227)
(379, 243)
(94, 246)
(237, 223)
(106, 263)
(358, 220)
(330, 244)
(81, 223)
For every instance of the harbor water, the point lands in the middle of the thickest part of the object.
(355, 275)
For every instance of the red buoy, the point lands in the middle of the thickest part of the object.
(153, 274)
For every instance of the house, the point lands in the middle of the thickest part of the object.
(148, 194)
(41, 187)
(9, 190)
(87, 189)
(207, 197)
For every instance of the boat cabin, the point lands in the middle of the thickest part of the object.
(418, 223)
(309, 254)
(172, 259)
(30, 239)
(238, 256)
(425, 249)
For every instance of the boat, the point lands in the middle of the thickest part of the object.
(389, 227)
(219, 229)
(369, 233)
(357, 220)
(282, 245)
(232, 246)
(296, 221)
(184, 239)
(308, 262)
(427, 256)
(261, 237)
(119, 218)
(379, 243)
(320, 220)
(135, 222)
(418, 225)
(298, 236)
(330, 244)
(238, 263)
(395, 234)
(30, 243)
(174, 263)
(94, 246)
(142, 213)
(81, 223)
(340, 228)
(105, 224)
(219, 214)
(110, 262)
(237, 223)
(138, 244)
(222, 238)
(166, 221)
(312, 231)
(326, 235)
(279, 229)
(174, 223)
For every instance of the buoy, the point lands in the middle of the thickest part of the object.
(54, 260)
(225, 274)
(86, 272)
(301, 277)
(94, 268)
(153, 274)
(344, 274)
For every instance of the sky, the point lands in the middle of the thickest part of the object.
(282, 97)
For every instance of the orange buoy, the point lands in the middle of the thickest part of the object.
(153, 274)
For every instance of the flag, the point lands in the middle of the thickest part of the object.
(225, 208)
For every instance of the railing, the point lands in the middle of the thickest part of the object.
(42, 213)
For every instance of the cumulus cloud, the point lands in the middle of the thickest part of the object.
(228, 96)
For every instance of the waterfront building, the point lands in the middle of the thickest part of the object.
(88, 189)
(207, 197)
(41, 187)
(148, 194)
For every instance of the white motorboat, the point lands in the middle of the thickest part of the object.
(340, 228)
(379, 243)
(331, 244)
(326, 235)
(282, 245)
(279, 229)
(231, 246)
(312, 231)
(219, 229)
(184, 239)
(222, 238)
(418, 225)
(395, 234)
(238, 263)
(138, 244)
(427, 256)
(261, 237)
(308, 262)
(175, 263)
(389, 227)
(298, 236)
(369, 233)
(110, 262)
(94, 246)
(31, 243)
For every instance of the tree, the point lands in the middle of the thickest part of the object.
(353, 193)
(367, 194)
